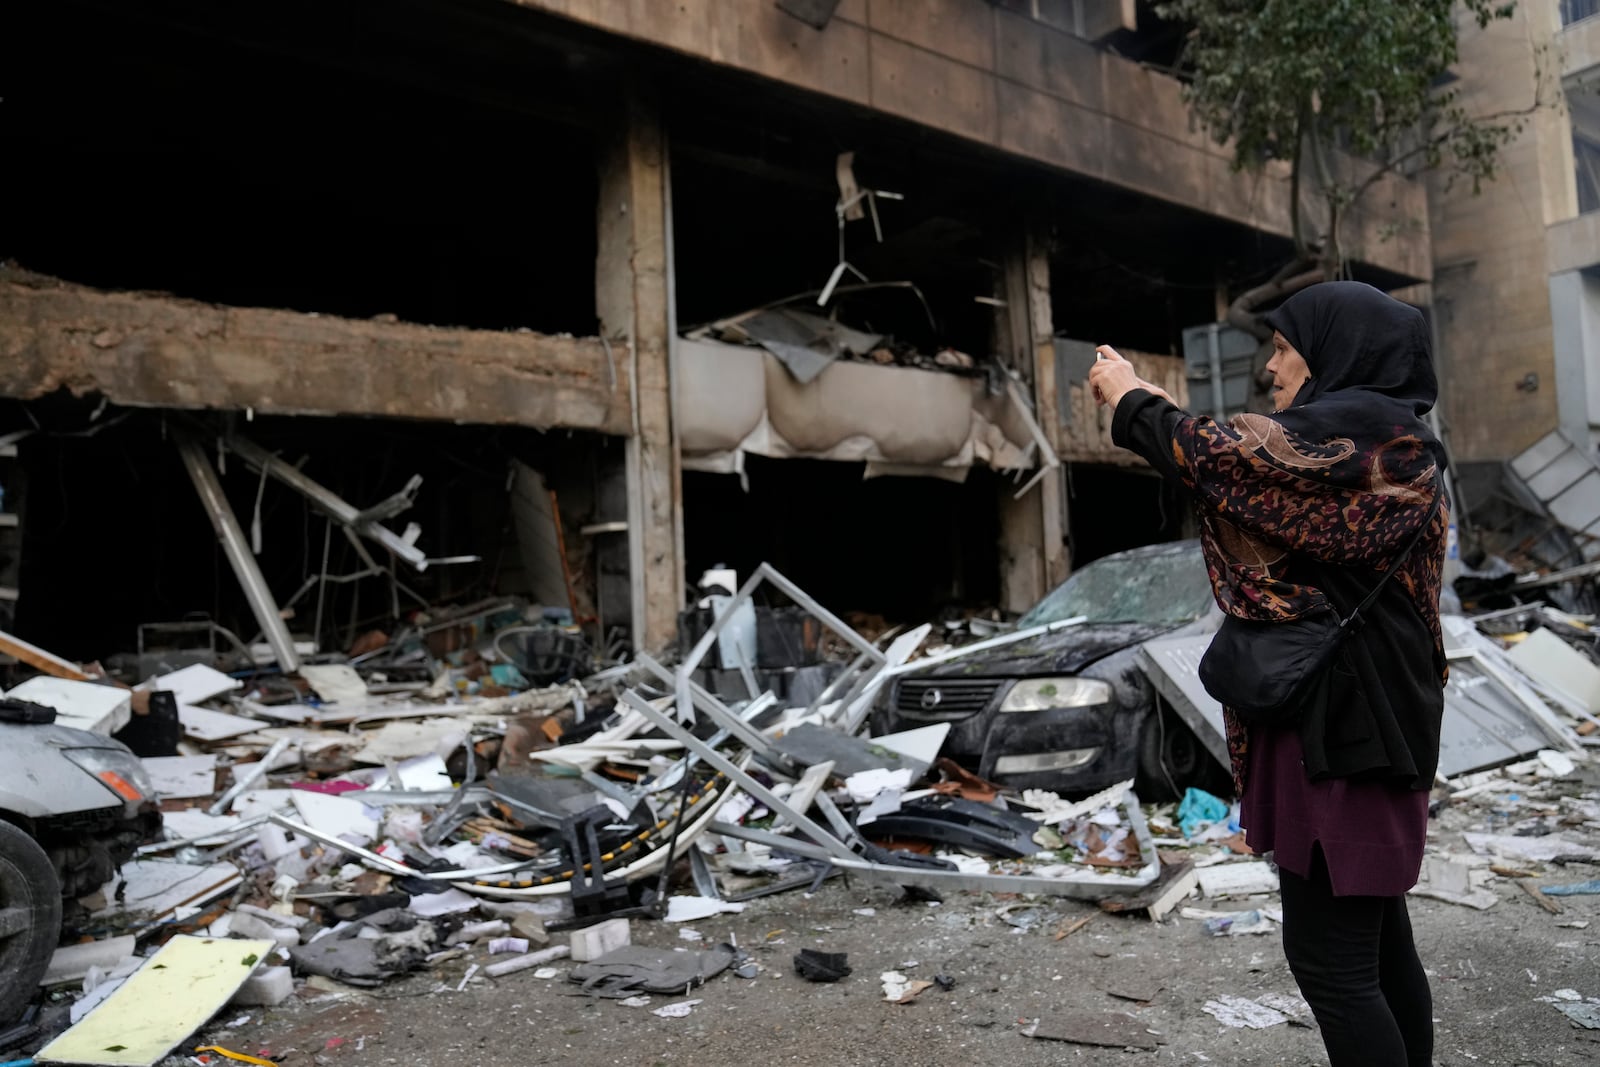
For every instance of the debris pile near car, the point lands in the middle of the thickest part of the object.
(342, 831)
(335, 830)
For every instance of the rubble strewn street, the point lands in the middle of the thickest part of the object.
(595, 533)
(625, 857)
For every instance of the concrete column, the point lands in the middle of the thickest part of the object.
(632, 300)
(1575, 318)
(1033, 557)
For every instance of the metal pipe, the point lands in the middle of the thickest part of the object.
(329, 502)
(255, 774)
(239, 556)
(1219, 402)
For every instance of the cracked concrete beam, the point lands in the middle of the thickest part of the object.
(149, 350)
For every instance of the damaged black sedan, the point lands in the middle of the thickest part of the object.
(1070, 710)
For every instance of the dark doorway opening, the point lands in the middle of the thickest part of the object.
(906, 549)
(1115, 508)
(114, 534)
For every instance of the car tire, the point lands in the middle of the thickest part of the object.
(30, 919)
(1171, 756)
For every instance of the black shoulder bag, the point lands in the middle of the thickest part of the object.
(1264, 671)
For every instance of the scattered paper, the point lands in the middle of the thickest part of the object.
(182, 777)
(866, 785)
(898, 989)
(336, 683)
(422, 773)
(1240, 1013)
(195, 683)
(693, 909)
(1238, 879)
(336, 815)
(1537, 849)
(203, 724)
(450, 902)
(676, 1011)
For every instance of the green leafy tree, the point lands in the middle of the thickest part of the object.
(1347, 91)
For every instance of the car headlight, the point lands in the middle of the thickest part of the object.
(119, 771)
(1040, 694)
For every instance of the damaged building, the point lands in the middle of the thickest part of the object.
(311, 323)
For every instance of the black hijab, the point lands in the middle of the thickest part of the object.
(1371, 363)
(1371, 382)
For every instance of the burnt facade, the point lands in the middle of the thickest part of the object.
(544, 254)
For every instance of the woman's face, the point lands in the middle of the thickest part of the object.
(1288, 369)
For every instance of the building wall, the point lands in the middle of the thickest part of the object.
(1011, 83)
(1490, 288)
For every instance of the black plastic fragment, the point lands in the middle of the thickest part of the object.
(816, 966)
(25, 711)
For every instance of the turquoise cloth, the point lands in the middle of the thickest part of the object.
(1198, 809)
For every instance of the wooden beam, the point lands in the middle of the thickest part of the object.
(39, 659)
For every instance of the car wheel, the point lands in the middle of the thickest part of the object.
(30, 919)
(1172, 758)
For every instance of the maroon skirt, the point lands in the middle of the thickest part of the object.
(1372, 833)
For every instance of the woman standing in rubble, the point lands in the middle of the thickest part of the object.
(1303, 509)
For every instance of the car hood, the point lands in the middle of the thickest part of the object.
(1064, 651)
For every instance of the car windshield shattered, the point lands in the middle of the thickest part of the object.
(1167, 588)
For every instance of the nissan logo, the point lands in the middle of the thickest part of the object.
(932, 699)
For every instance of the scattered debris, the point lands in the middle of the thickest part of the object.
(1240, 1013)
(369, 832)
(1109, 1029)
(170, 997)
(816, 966)
(898, 989)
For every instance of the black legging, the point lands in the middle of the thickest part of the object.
(1358, 969)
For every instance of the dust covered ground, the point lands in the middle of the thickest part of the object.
(1488, 969)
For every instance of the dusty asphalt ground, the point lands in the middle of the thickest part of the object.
(1487, 970)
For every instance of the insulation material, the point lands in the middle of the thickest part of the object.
(538, 536)
(170, 998)
(100, 709)
(735, 400)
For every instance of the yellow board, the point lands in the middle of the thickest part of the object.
(169, 998)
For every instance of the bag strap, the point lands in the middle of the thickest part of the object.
(1355, 620)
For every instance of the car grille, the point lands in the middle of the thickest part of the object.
(958, 698)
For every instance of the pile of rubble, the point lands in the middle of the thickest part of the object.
(335, 828)
(340, 836)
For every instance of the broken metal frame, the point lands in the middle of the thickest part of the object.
(370, 568)
(1556, 730)
(867, 652)
(832, 847)
(1048, 460)
(362, 521)
(240, 558)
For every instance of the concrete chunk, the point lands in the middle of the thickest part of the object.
(243, 924)
(595, 941)
(267, 988)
